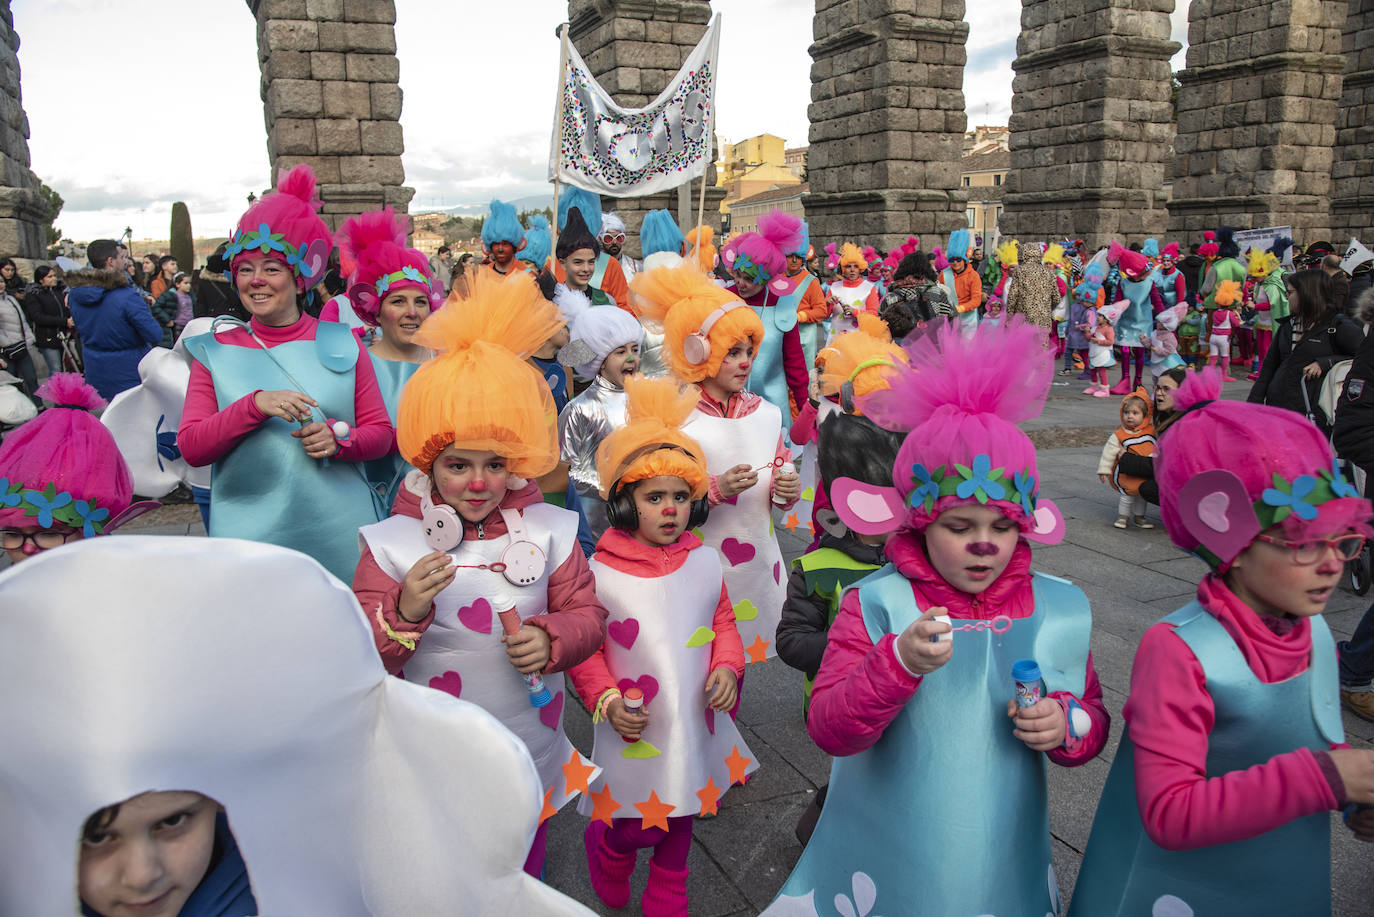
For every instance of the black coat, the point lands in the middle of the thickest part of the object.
(1353, 433)
(46, 308)
(1280, 383)
(805, 624)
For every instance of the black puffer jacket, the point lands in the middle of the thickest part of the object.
(1353, 433)
(904, 308)
(1329, 341)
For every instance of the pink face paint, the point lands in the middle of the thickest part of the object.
(983, 549)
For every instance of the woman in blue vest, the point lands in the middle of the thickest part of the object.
(937, 801)
(285, 407)
(1219, 796)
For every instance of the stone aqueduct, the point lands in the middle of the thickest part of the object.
(1273, 114)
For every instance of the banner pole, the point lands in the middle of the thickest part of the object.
(556, 145)
(710, 146)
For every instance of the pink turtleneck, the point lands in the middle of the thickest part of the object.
(1170, 715)
(207, 434)
(861, 687)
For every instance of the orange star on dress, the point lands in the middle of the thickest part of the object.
(654, 812)
(548, 810)
(710, 797)
(758, 650)
(737, 764)
(604, 805)
(791, 523)
(576, 774)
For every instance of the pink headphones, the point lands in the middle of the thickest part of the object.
(696, 347)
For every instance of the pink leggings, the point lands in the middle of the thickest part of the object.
(626, 835)
(534, 863)
(1099, 375)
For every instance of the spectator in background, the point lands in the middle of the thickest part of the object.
(166, 270)
(145, 271)
(441, 265)
(46, 306)
(215, 292)
(1033, 291)
(16, 337)
(1192, 268)
(174, 308)
(14, 285)
(112, 318)
(1340, 284)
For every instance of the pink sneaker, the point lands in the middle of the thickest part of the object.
(1101, 393)
(1121, 388)
(1090, 390)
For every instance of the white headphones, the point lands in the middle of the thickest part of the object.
(522, 563)
(696, 347)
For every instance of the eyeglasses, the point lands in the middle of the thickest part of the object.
(1307, 553)
(613, 237)
(46, 540)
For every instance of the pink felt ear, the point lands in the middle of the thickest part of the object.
(1216, 510)
(314, 260)
(1049, 523)
(868, 509)
(363, 296)
(782, 286)
(129, 515)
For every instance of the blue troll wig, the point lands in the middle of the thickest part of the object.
(585, 201)
(804, 246)
(659, 233)
(958, 245)
(501, 225)
(538, 241)
(1150, 249)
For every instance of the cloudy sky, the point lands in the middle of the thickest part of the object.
(133, 106)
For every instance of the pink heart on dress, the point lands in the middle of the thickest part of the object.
(476, 616)
(777, 572)
(737, 552)
(623, 632)
(551, 713)
(711, 720)
(646, 683)
(450, 683)
(1211, 509)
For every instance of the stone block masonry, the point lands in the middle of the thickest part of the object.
(1091, 121)
(23, 214)
(332, 99)
(1257, 117)
(887, 120)
(1352, 172)
(633, 48)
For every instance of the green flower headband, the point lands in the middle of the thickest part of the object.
(980, 481)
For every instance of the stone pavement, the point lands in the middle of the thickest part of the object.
(741, 857)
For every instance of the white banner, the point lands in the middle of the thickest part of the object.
(630, 152)
(1355, 255)
(1264, 239)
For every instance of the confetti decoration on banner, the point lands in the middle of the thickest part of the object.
(624, 152)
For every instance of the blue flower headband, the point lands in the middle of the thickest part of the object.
(981, 481)
(406, 273)
(746, 266)
(1302, 496)
(49, 506)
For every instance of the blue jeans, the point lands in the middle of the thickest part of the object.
(53, 357)
(1357, 653)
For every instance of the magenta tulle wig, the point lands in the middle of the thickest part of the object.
(959, 402)
(375, 243)
(63, 467)
(762, 255)
(285, 224)
(1228, 470)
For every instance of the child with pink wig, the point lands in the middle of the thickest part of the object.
(61, 475)
(758, 263)
(285, 407)
(1233, 754)
(938, 793)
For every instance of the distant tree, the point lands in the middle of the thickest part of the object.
(1174, 87)
(54, 202)
(182, 243)
(524, 215)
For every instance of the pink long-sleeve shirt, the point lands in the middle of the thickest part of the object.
(1170, 715)
(207, 434)
(862, 686)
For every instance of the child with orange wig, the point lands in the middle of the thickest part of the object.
(854, 293)
(470, 538)
(710, 337)
(670, 615)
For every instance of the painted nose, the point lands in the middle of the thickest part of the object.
(670, 512)
(30, 548)
(477, 485)
(983, 549)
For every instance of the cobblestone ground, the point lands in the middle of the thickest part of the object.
(741, 857)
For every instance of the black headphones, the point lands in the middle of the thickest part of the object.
(622, 513)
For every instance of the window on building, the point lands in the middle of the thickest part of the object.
(967, 181)
(997, 179)
(971, 214)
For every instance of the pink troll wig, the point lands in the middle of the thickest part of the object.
(375, 243)
(63, 467)
(938, 261)
(959, 401)
(1209, 248)
(762, 255)
(1227, 467)
(1132, 264)
(832, 259)
(284, 224)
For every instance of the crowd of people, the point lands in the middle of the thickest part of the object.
(558, 472)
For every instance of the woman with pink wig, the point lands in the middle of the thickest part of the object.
(285, 407)
(938, 792)
(61, 475)
(1233, 755)
(392, 290)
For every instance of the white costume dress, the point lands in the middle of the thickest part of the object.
(741, 530)
(462, 653)
(660, 640)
